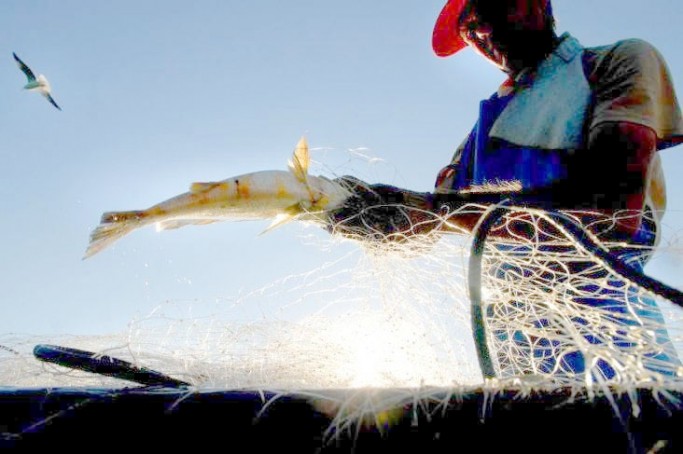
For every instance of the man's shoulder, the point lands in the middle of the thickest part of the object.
(635, 53)
(623, 49)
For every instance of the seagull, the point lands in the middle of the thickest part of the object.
(39, 83)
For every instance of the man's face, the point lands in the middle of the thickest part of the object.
(508, 33)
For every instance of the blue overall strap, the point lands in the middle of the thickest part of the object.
(460, 174)
(495, 161)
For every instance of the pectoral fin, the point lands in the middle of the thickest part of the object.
(289, 214)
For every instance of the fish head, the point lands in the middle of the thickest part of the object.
(326, 194)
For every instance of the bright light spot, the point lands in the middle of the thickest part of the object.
(378, 350)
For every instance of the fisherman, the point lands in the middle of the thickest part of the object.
(576, 128)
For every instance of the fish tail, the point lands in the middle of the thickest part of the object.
(113, 226)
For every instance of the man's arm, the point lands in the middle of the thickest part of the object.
(607, 178)
(610, 176)
(623, 154)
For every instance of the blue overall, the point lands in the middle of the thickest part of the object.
(483, 160)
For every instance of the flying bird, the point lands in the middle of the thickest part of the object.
(39, 83)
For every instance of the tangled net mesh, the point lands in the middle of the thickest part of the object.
(556, 302)
(396, 315)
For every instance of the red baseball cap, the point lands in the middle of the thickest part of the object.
(446, 38)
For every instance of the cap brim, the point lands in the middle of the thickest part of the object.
(445, 38)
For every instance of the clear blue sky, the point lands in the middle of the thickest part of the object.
(159, 94)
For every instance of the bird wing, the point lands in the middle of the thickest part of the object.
(26, 70)
(49, 98)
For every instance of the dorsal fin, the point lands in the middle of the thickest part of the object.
(300, 160)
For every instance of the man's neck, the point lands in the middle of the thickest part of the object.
(533, 58)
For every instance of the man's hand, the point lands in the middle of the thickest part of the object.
(380, 212)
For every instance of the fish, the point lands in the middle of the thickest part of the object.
(281, 195)
(39, 84)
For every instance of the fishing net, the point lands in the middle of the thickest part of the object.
(397, 315)
(563, 311)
